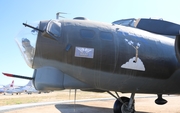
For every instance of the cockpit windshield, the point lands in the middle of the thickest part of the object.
(126, 22)
(26, 40)
(54, 28)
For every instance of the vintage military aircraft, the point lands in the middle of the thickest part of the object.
(5, 88)
(19, 89)
(31, 89)
(128, 56)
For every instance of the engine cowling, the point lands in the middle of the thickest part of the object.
(177, 47)
(158, 26)
(161, 27)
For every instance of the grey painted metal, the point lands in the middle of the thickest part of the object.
(49, 78)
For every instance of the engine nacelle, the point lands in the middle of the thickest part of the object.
(161, 27)
(177, 47)
(50, 78)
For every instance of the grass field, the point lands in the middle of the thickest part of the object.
(53, 96)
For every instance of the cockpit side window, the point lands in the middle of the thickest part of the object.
(86, 33)
(54, 28)
(106, 36)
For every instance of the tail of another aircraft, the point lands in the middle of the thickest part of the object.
(12, 84)
(9, 86)
(29, 83)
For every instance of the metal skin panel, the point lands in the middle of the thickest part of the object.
(152, 68)
(49, 78)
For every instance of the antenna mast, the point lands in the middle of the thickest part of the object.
(58, 15)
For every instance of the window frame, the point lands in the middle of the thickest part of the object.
(48, 30)
(88, 38)
(101, 37)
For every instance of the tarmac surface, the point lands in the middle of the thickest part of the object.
(143, 104)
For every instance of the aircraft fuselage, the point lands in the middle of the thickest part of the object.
(111, 57)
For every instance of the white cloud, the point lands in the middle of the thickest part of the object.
(134, 65)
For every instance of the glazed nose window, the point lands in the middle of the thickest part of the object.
(26, 41)
(28, 49)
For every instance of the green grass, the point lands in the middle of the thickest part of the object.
(13, 101)
(53, 96)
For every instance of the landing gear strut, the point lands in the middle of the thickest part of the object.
(123, 104)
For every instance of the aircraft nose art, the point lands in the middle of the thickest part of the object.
(26, 40)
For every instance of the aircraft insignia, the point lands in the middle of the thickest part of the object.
(134, 63)
(84, 52)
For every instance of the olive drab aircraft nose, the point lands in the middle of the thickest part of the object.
(28, 36)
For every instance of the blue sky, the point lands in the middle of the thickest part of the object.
(14, 13)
